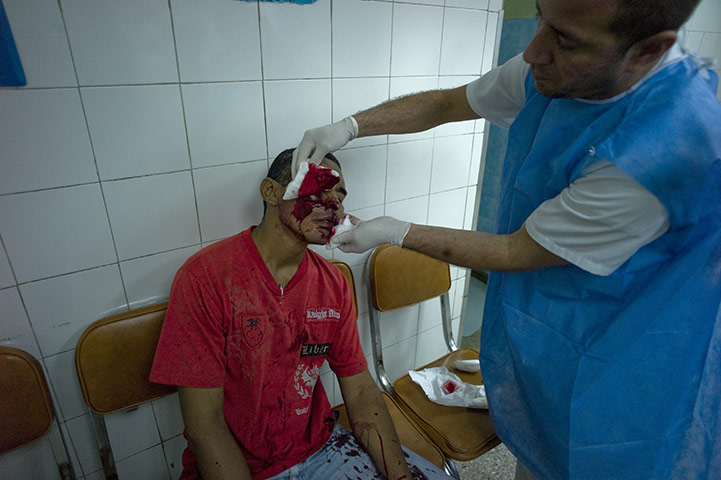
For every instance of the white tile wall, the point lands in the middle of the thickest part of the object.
(83, 439)
(361, 38)
(462, 53)
(292, 107)
(148, 279)
(216, 40)
(295, 40)
(58, 318)
(45, 140)
(142, 134)
(409, 169)
(416, 39)
(146, 133)
(65, 384)
(225, 122)
(173, 455)
(52, 232)
(149, 464)
(16, 329)
(136, 227)
(115, 43)
(6, 275)
(39, 34)
(703, 33)
(223, 209)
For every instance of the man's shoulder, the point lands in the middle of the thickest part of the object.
(324, 268)
(219, 249)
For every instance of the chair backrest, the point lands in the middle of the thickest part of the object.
(26, 408)
(113, 359)
(397, 278)
(348, 273)
(401, 278)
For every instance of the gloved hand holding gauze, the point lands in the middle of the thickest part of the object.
(445, 388)
(345, 225)
(323, 140)
(366, 235)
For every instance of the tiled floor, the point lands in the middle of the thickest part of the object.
(498, 464)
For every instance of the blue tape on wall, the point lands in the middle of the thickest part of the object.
(11, 70)
(301, 2)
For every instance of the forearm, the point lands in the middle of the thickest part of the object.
(415, 113)
(373, 428)
(218, 454)
(514, 252)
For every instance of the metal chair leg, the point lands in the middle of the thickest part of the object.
(450, 469)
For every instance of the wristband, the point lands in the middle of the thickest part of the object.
(355, 126)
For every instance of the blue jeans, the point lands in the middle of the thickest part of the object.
(342, 458)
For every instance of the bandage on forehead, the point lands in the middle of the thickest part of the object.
(311, 179)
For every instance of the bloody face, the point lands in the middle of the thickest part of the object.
(319, 208)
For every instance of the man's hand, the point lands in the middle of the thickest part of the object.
(370, 234)
(323, 140)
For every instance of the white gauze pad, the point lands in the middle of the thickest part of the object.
(344, 226)
(291, 191)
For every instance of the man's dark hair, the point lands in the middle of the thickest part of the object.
(639, 19)
(280, 168)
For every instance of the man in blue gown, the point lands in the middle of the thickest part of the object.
(601, 340)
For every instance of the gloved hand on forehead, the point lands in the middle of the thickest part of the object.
(370, 234)
(320, 141)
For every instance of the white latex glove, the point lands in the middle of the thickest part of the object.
(323, 140)
(370, 234)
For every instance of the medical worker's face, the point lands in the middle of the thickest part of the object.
(573, 54)
(312, 218)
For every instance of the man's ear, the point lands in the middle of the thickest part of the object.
(271, 191)
(648, 52)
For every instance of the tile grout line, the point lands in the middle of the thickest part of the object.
(185, 125)
(262, 87)
(95, 159)
(390, 80)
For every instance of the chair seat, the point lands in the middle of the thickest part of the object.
(409, 435)
(461, 433)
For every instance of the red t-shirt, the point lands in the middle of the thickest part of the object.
(228, 324)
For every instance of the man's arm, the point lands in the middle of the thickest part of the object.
(215, 448)
(415, 113)
(409, 114)
(515, 252)
(372, 425)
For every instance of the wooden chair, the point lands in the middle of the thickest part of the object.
(113, 360)
(410, 434)
(26, 409)
(400, 278)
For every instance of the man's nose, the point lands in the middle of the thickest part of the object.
(332, 200)
(539, 50)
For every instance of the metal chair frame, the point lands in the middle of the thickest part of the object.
(377, 344)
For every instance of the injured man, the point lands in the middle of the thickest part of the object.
(250, 321)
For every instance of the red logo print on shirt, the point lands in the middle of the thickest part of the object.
(253, 330)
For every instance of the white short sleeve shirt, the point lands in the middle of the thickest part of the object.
(600, 220)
